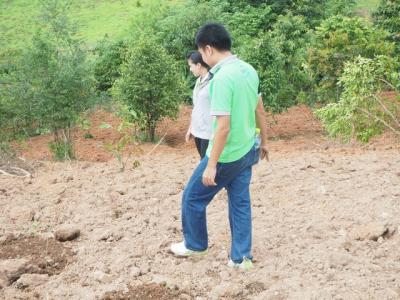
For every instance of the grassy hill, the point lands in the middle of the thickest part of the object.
(95, 18)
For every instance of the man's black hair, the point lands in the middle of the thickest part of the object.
(214, 35)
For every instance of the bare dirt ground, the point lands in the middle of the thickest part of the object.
(326, 221)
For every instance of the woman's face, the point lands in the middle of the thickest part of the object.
(194, 68)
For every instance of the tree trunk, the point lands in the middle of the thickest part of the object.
(151, 129)
(153, 133)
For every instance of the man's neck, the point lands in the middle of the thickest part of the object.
(220, 56)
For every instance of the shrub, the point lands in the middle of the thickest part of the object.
(292, 34)
(387, 17)
(108, 63)
(338, 40)
(363, 111)
(150, 84)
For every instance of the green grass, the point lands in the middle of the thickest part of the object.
(95, 18)
(366, 7)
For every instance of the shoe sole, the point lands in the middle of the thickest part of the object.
(191, 254)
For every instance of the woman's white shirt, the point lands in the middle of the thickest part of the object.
(201, 123)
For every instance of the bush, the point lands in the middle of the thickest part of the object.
(150, 84)
(62, 150)
(278, 56)
(292, 34)
(264, 55)
(387, 16)
(363, 111)
(338, 40)
(108, 63)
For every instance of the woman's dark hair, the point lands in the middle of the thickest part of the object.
(214, 35)
(196, 58)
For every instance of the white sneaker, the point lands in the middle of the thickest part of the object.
(179, 249)
(245, 265)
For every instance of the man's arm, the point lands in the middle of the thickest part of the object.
(220, 137)
(188, 135)
(260, 121)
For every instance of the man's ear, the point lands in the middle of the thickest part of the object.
(209, 50)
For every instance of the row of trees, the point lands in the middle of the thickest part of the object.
(305, 51)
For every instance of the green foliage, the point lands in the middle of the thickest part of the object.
(12, 119)
(363, 111)
(62, 150)
(313, 11)
(108, 63)
(292, 34)
(51, 84)
(249, 21)
(177, 29)
(119, 148)
(387, 16)
(150, 84)
(265, 56)
(278, 56)
(338, 40)
(88, 135)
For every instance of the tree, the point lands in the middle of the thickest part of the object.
(338, 40)
(52, 82)
(150, 84)
(363, 109)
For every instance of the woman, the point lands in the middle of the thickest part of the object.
(201, 122)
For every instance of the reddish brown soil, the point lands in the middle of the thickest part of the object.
(48, 256)
(144, 292)
(291, 129)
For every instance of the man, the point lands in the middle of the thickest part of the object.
(231, 153)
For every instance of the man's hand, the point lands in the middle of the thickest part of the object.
(209, 176)
(264, 152)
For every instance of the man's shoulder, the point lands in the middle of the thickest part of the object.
(235, 70)
(236, 65)
(248, 66)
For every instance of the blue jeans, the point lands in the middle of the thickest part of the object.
(235, 177)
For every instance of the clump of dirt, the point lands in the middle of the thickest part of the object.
(144, 292)
(48, 255)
